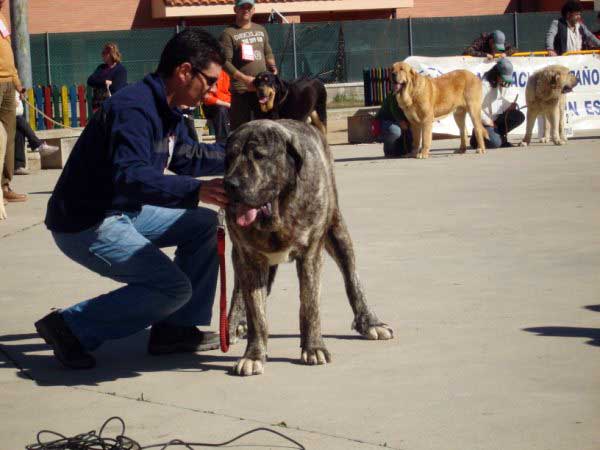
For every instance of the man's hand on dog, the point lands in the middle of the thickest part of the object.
(213, 192)
(249, 82)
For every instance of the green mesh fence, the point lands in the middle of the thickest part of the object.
(451, 36)
(376, 43)
(333, 51)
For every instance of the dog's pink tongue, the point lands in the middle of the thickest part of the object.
(263, 100)
(246, 216)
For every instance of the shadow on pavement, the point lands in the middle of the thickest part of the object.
(591, 333)
(433, 153)
(123, 358)
(346, 337)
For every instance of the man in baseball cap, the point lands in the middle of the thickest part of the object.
(499, 109)
(499, 40)
(489, 44)
(247, 53)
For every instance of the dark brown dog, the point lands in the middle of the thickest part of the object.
(284, 207)
(298, 100)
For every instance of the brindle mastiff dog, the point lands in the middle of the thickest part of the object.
(284, 207)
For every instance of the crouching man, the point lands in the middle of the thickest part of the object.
(499, 112)
(114, 207)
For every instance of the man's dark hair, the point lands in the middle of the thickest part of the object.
(570, 7)
(193, 45)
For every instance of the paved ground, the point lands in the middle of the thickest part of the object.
(487, 268)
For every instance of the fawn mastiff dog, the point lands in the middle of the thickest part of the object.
(545, 95)
(424, 99)
(283, 207)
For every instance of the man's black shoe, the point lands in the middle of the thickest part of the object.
(66, 346)
(506, 144)
(165, 339)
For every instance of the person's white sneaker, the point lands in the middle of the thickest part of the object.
(22, 171)
(46, 149)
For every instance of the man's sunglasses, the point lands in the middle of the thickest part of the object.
(210, 81)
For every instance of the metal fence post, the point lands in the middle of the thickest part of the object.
(410, 37)
(516, 29)
(294, 48)
(48, 69)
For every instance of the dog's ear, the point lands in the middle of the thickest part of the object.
(295, 151)
(556, 79)
(413, 75)
(281, 86)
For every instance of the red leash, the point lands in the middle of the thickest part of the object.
(223, 322)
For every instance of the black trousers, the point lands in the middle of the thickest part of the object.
(24, 131)
(219, 116)
(243, 109)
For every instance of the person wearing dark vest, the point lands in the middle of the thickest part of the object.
(569, 33)
(597, 32)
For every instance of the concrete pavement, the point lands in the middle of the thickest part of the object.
(486, 267)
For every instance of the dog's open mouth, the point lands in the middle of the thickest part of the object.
(247, 215)
(399, 87)
(262, 99)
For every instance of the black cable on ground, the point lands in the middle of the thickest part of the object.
(93, 441)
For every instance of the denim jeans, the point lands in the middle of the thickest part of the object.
(504, 124)
(126, 248)
(396, 142)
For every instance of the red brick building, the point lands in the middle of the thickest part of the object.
(59, 16)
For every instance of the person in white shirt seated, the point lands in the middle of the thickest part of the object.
(499, 110)
(569, 33)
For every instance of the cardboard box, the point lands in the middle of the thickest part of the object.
(359, 127)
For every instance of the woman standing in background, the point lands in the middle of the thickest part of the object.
(108, 77)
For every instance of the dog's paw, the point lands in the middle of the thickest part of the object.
(481, 151)
(3, 214)
(380, 332)
(315, 356)
(237, 331)
(460, 151)
(524, 144)
(559, 142)
(422, 155)
(544, 140)
(247, 366)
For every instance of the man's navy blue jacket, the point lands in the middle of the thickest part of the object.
(119, 160)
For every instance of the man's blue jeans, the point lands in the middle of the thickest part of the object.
(396, 142)
(126, 248)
